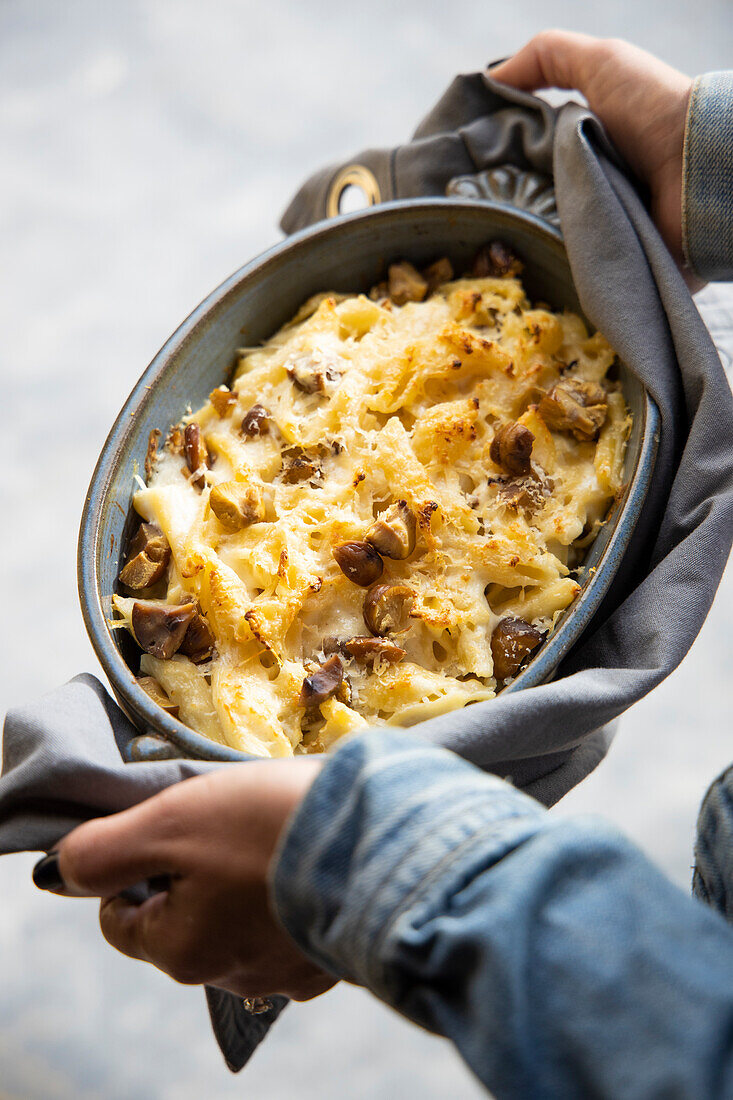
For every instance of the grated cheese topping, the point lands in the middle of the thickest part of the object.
(368, 403)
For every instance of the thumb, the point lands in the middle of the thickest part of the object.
(101, 858)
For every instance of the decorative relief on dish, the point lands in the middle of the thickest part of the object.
(510, 186)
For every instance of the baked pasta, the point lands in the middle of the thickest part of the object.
(383, 516)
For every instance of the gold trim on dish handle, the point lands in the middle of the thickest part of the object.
(354, 175)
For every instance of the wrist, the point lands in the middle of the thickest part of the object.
(384, 819)
(294, 780)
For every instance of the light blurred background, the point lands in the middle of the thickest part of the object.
(147, 148)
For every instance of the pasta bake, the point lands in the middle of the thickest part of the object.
(383, 515)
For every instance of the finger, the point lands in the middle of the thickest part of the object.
(163, 932)
(552, 59)
(107, 855)
(144, 932)
(120, 925)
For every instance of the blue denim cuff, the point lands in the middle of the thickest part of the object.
(713, 875)
(707, 187)
(387, 820)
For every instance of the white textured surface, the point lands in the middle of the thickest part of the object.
(147, 150)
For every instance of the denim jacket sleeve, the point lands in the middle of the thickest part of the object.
(559, 961)
(707, 187)
(712, 881)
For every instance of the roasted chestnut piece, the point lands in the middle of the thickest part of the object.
(299, 465)
(379, 292)
(237, 505)
(197, 456)
(387, 608)
(511, 448)
(147, 557)
(521, 492)
(223, 400)
(255, 421)
(437, 273)
(405, 284)
(322, 684)
(152, 688)
(575, 406)
(512, 643)
(496, 259)
(395, 532)
(314, 372)
(359, 561)
(198, 641)
(367, 651)
(159, 628)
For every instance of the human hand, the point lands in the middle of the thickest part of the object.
(641, 101)
(214, 835)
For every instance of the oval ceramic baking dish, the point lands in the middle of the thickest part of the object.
(349, 253)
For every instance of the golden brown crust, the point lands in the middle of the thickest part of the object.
(379, 485)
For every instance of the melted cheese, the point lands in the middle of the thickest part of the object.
(409, 401)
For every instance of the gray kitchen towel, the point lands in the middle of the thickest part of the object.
(62, 762)
(62, 765)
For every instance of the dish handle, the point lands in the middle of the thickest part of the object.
(151, 746)
(503, 185)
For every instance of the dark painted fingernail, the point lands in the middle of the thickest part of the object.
(46, 874)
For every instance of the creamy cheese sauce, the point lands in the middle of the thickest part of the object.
(404, 405)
